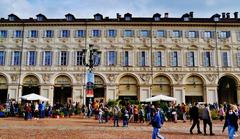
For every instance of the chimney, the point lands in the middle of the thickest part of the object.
(165, 15)
(118, 16)
(228, 15)
(223, 15)
(236, 15)
(191, 14)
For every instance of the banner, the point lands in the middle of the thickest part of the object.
(89, 84)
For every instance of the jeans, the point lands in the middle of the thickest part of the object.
(148, 116)
(195, 122)
(100, 118)
(155, 133)
(115, 118)
(231, 131)
(184, 116)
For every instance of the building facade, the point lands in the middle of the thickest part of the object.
(191, 59)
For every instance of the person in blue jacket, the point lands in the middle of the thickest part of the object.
(156, 124)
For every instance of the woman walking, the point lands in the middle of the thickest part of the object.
(231, 122)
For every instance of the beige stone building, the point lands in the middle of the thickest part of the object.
(192, 59)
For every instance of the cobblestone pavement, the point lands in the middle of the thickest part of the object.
(76, 127)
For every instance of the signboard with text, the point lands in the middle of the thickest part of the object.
(89, 83)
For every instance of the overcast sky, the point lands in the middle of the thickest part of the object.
(138, 8)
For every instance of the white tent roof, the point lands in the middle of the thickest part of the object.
(160, 97)
(34, 97)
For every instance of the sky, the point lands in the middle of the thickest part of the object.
(138, 8)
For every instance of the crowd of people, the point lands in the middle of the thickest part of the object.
(140, 113)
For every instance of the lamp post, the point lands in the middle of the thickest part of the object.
(90, 59)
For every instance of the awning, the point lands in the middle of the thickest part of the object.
(160, 97)
(34, 97)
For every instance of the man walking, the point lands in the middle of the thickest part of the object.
(156, 124)
(194, 116)
(206, 116)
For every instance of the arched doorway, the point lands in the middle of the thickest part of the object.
(62, 90)
(3, 89)
(128, 88)
(161, 86)
(30, 85)
(194, 90)
(227, 90)
(99, 89)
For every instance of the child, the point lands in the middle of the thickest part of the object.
(125, 119)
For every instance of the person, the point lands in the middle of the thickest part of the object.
(135, 114)
(106, 112)
(141, 115)
(148, 112)
(194, 116)
(43, 110)
(40, 110)
(174, 114)
(115, 116)
(231, 121)
(156, 124)
(183, 110)
(207, 119)
(221, 113)
(100, 114)
(125, 118)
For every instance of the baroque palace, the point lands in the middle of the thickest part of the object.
(191, 59)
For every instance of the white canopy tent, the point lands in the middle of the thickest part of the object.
(34, 97)
(160, 97)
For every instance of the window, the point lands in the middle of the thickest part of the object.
(208, 34)
(143, 58)
(97, 58)
(16, 58)
(49, 34)
(224, 34)
(31, 58)
(98, 17)
(126, 58)
(65, 33)
(63, 58)
(79, 58)
(159, 58)
(128, 33)
(174, 56)
(176, 34)
(47, 58)
(112, 33)
(156, 18)
(3, 34)
(2, 58)
(80, 33)
(69, 18)
(161, 33)
(144, 33)
(112, 58)
(33, 34)
(238, 36)
(96, 33)
(186, 18)
(127, 18)
(191, 59)
(40, 18)
(208, 59)
(238, 58)
(192, 34)
(18, 34)
(225, 59)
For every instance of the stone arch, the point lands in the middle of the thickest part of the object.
(161, 85)
(227, 89)
(6, 77)
(30, 84)
(31, 74)
(194, 74)
(62, 80)
(235, 77)
(130, 74)
(166, 75)
(65, 74)
(104, 78)
(194, 88)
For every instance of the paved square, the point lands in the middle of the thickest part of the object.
(79, 128)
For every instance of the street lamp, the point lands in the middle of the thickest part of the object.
(91, 58)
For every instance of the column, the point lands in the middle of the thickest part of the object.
(238, 94)
(144, 92)
(45, 91)
(211, 95)
(111, 92)
(179, 94)
(77, 94)
(13, 92)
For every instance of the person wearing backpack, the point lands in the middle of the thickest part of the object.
(156, 124)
